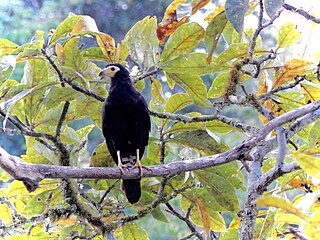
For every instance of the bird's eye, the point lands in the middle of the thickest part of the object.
(113, 68)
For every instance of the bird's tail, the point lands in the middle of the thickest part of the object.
(132, 189)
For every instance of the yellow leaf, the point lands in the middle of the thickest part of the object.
(107, 45)
(270, 201)
(287, 218)
(66, 221)
(235, 223)
(263, 86)
(305, 185)
(311, 92)
(291, 69)
(5, 213)
(204, 215)
(215, 12)
(60, 53)
(312, 229)
(84, 25)
(310, 164)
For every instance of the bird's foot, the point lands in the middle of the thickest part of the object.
(140, 166)
(122, 168)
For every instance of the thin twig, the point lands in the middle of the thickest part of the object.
(147, 74)
(184, 219)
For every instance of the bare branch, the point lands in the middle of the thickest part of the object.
(264, 96)
(205, 118)
(62, 118)
(301, 12)
(145, 75)
(184, 219)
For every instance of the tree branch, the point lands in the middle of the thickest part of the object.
(184, 219)
(303, 13)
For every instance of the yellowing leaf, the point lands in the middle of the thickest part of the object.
(288, 34)
(64, 28)
(235, 223)
(301, 184)
(85, 25)
(310, 164)
(60, 53)
(270, 201)
(311, 92)
(287, 218)
(291, 69)
(170, 21)
(5, 213)
(66, 221)
(107, 45)
(215, 12)
(204, 216)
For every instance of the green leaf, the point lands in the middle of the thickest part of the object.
(235, 12)
(31, 49)
(153, 156)
(72, 54)
(218, 85)
(179, 127)
(182, 41)
(314, 135)
(35, 156)
(64, 28)
(177, 102)
(7, 65)
(158, 214)
(143, 42)
(199, 140)
(191, 64)
(87, 107)
(156, 92)
(132, 231)
(219, 127)
(309, 163)
(272, 6)
(234, 51)
(231, 172)
(94, 54)
(288, 35)
(101, 156)
(220, 188)
(61, 94)
(194, 87)
(206, 197)
(213, 33)
(6, 47)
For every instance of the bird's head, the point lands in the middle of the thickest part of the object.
(114, 70)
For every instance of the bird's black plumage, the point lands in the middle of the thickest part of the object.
(125, 123)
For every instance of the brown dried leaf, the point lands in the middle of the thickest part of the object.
(170, 22)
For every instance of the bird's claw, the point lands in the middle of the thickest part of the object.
(140, 166)
(122, 167)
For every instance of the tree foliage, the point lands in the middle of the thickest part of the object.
(199, 82)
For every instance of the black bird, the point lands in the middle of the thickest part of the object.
(125, 125)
